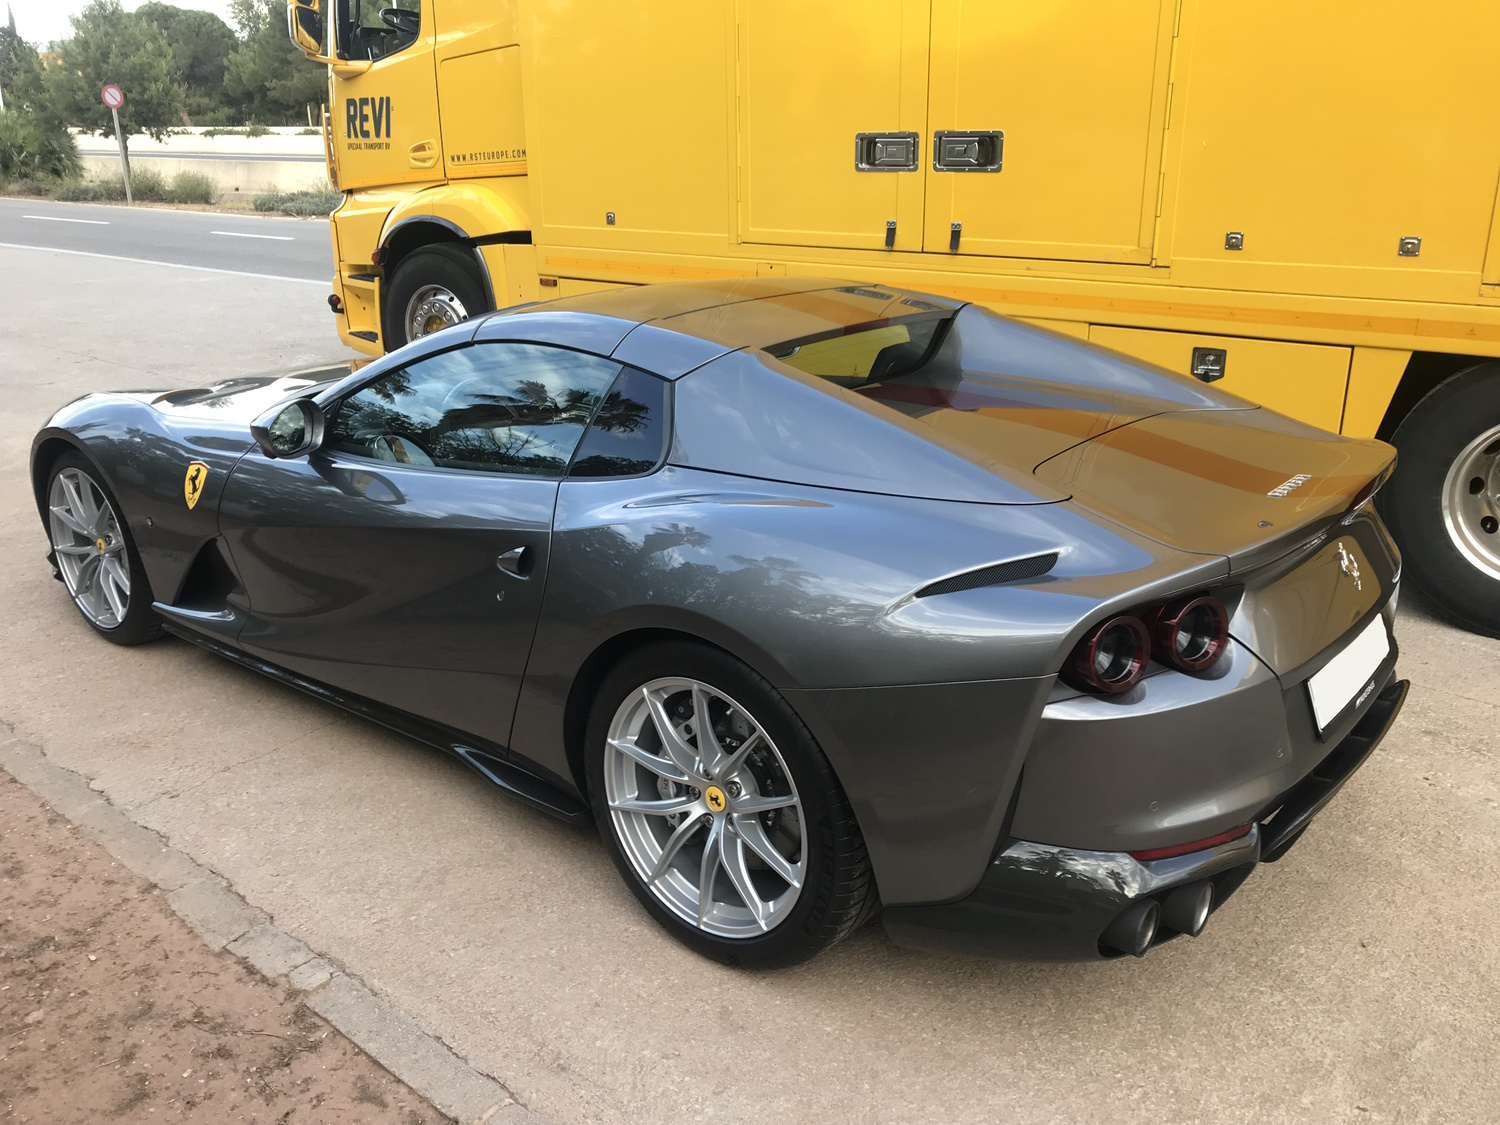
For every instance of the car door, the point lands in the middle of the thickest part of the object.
(404, 560)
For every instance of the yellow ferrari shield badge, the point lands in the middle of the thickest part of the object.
(192, 484)
(714, 796)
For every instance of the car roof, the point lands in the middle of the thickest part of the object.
(750, 312)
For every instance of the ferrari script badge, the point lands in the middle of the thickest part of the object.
(1349, 566)
(715, 798)
(192, 485)
(1291, 484)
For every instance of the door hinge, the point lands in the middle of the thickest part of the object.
(955, 232)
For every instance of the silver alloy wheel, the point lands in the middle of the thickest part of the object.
(89, 548)
(432, 307)
(1471, 502)
(705, 809)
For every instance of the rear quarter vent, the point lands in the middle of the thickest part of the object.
(1017, 570)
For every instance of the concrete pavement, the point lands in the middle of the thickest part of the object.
(1355, 981)
(257, 244)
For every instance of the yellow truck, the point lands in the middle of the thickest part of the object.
(1296, 201)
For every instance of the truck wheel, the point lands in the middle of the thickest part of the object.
(431, 289)
(1443, 504)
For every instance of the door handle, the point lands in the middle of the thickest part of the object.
(954, 151)
(423, 154)
(885, 152)
(517, 562)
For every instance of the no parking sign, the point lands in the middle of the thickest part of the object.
(114, 97)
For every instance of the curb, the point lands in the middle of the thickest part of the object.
(227, 922)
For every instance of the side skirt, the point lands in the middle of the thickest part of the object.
(488, 760)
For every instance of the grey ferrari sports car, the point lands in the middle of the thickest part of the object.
(820, 599)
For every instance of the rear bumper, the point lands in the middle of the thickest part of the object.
(1044, 902)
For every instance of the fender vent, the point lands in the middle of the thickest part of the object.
(1017, 570)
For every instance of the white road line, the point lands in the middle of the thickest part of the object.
(242, 234)
(60, 219)
(169, 265)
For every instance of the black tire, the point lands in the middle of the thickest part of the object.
(140, 624)
(1430, 440)
(451, 267)
(838, 892)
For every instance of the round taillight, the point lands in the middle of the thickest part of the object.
(1111, 657)
(1191, 633)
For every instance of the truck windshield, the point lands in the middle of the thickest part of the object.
(373, 29)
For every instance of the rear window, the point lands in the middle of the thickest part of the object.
(865, 354)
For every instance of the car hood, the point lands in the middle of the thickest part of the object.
(1218, 481)
(240, 400)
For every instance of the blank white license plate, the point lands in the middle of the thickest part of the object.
(1335, 684)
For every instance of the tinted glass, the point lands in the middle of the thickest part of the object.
(499, 408)
(373, 29)
(629, 433)
(864, 355)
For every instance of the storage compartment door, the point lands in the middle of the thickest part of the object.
(1058, 111)
(812, 77)
(1302, 381)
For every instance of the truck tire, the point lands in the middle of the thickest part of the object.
(432, 288)
(1443, 504)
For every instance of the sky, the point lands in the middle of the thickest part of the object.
(42, 21)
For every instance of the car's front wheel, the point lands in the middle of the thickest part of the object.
(1443, 504)
(721, 811)
(95, 556)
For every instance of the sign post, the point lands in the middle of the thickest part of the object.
(114, 97)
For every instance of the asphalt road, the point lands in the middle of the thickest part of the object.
(1356, 981)
(255, 244)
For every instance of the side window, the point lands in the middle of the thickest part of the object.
(628, 435)
(496, 408)
(373, 29)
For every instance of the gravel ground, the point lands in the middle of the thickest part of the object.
(111, 1009)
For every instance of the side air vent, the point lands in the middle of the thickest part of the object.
(1017, 570)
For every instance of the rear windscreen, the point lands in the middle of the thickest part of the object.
(865, 354)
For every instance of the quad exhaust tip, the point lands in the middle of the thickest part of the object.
(1186, 908)
(1183, 911)
(1133, 929)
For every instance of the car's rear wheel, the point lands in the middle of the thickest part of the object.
(431, 289)
(721, 811)
(95, 555)
(1443, 504)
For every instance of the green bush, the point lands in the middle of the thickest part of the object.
(33, 149)
(237, 131)
(190, 187)
(305, 203)
(146, 186)
(93, 191)
(29, 187)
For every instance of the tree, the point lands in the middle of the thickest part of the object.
(269, 79)
(200, 42)
(20, 67)
(112, 45)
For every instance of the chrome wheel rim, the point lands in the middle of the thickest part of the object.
(432, 308)
(1471, 502)
(706, 812)
(89, 548)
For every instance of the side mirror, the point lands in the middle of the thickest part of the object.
(305, 27)
(290, 430)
